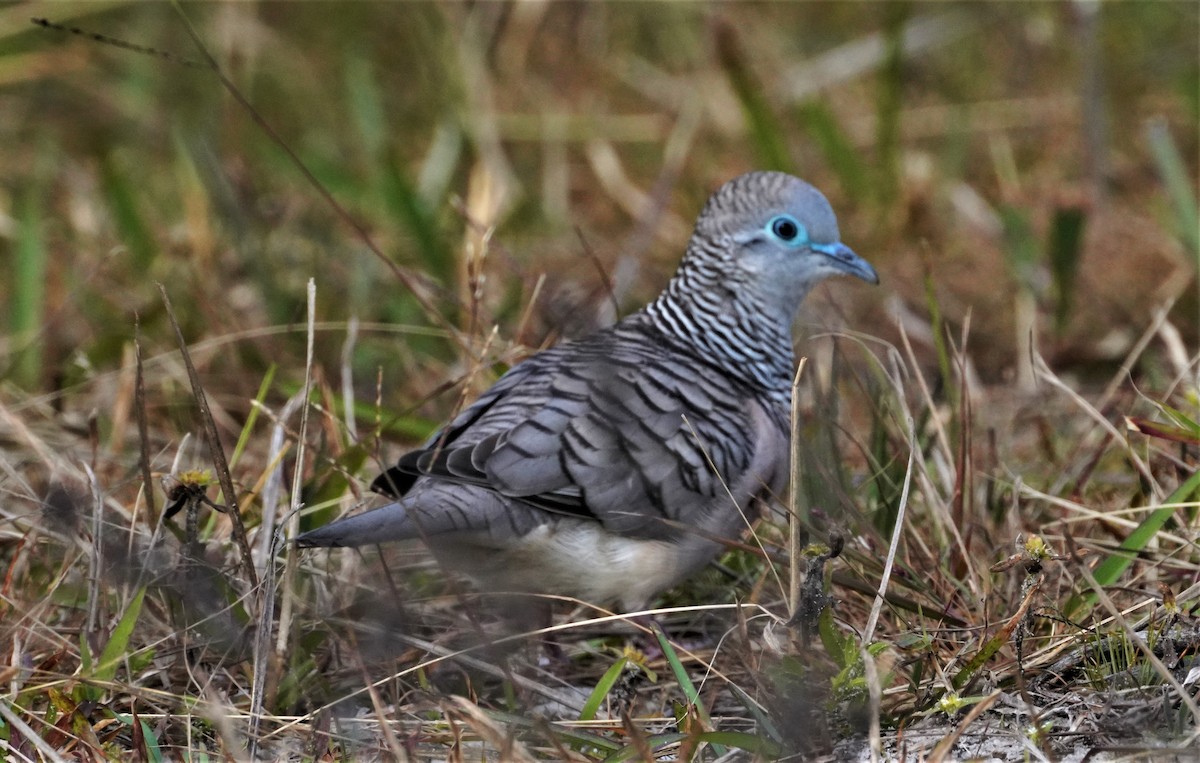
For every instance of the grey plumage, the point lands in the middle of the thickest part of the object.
(612, 467)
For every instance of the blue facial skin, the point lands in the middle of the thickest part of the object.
(789, 232)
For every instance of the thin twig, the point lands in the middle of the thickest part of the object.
(216, 453)
(293, 528)
(96, 565)
(350, 421)
(1044, 372)
(25, 731)
(139, 405)
(897, 531)
(794, 508)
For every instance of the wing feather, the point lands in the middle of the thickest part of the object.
(621, 427)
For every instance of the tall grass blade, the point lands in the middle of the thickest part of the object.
(742, 740)
(252, 416)
(396, 193)
(685, 682)
(890, 99)
(765, 724)
(1020, 245)
(118, 644)
(654, 742)
(1110, 570)
(414, 282)
(603, 686)
(765, 131)
(937, 324)
(366, 107)
(28, 291)
(122, 198)
(1173, 171)
(822, 126)
(1066, 244)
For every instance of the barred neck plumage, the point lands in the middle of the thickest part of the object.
(707, 307)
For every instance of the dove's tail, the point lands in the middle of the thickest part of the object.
(387, 523)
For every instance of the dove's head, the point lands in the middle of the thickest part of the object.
(773, 235)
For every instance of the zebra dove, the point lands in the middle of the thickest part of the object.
(611, 468)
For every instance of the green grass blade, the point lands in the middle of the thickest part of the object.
(1173, 171)
(252, 416)
(393, 189)
(685, 682)
(29, 291)
(1065, 247)
(765, 131)
(131, 225)
(742, 740)
(404, 426)
(655, 742)
(326, 490)
(118, 644)
(603, 686)
(406, 205)
(990, 648)
(822, 126)
(566, 733)
(1108, 571)
(890, 95)
(1020, 246)
(154, 753)
(762, 719)
(366, 107)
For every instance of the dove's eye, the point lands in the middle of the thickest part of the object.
(787, 229)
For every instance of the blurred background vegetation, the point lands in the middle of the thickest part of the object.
(1029, 169)
(960, 144)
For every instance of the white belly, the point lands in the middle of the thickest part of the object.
(577, 558)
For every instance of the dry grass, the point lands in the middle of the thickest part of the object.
(1001, 440)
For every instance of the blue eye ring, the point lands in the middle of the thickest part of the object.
(787, 229)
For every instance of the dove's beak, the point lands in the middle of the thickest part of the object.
(845, 260)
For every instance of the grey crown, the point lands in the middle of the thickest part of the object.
(613, 467)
